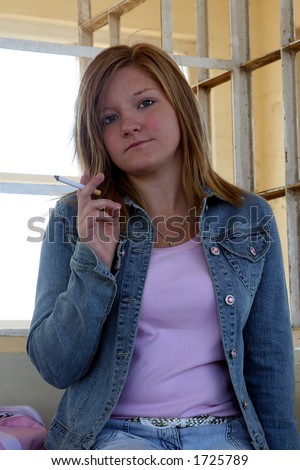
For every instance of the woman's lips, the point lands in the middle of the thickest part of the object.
(137, 144)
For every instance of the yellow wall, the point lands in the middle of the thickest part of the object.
(10, 344)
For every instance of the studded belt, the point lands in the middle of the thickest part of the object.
(182, 422)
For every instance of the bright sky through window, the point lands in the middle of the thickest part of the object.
(37, 96)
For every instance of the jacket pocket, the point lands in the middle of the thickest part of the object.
(246, 253)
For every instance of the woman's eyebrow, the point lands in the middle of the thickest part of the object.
(143, 90)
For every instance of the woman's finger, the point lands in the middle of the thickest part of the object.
(90, 184)
(107, 214)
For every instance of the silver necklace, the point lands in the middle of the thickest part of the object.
(169, 243)
(164, 238)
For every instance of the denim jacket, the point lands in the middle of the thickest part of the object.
(85, 321)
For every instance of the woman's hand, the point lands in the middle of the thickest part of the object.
(98, 220)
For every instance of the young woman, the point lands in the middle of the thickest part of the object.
(161, 305)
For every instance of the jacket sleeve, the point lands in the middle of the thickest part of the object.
(269, 362)
(74, 295)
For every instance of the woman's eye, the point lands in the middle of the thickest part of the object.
(146, 103)
(109, 119)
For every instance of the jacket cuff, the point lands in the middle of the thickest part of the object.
(85, 258)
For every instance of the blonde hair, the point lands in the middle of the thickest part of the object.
(197, 171)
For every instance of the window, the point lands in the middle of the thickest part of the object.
(37, 95)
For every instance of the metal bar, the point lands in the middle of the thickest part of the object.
(287, 22)
(290, 114)
(85, 38)
(270, 194)
(275, 193)
(241, 96)
(48, 47)
(101, 19)
(258, 62)
(204, 62)
(250, 65)
(202, 50)
(91, 52)
(34, 189)
(166, 25)
(215, 81)
(114, 29)
(292, 46)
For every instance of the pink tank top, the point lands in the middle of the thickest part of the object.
(178, 367)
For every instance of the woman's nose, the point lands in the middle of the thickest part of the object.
(130, 124)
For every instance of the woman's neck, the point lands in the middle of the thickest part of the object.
(164, 197)
(167, 205)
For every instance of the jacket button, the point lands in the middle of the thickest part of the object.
(252, 250)
(233, 353)
(229, 299)
(245, 404)
(215, 250)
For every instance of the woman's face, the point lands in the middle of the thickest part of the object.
(141, 130)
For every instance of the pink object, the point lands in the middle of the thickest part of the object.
(21, 428)
(178, 367)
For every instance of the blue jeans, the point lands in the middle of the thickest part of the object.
(123, 434)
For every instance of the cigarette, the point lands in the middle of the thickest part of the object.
(64, 180)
